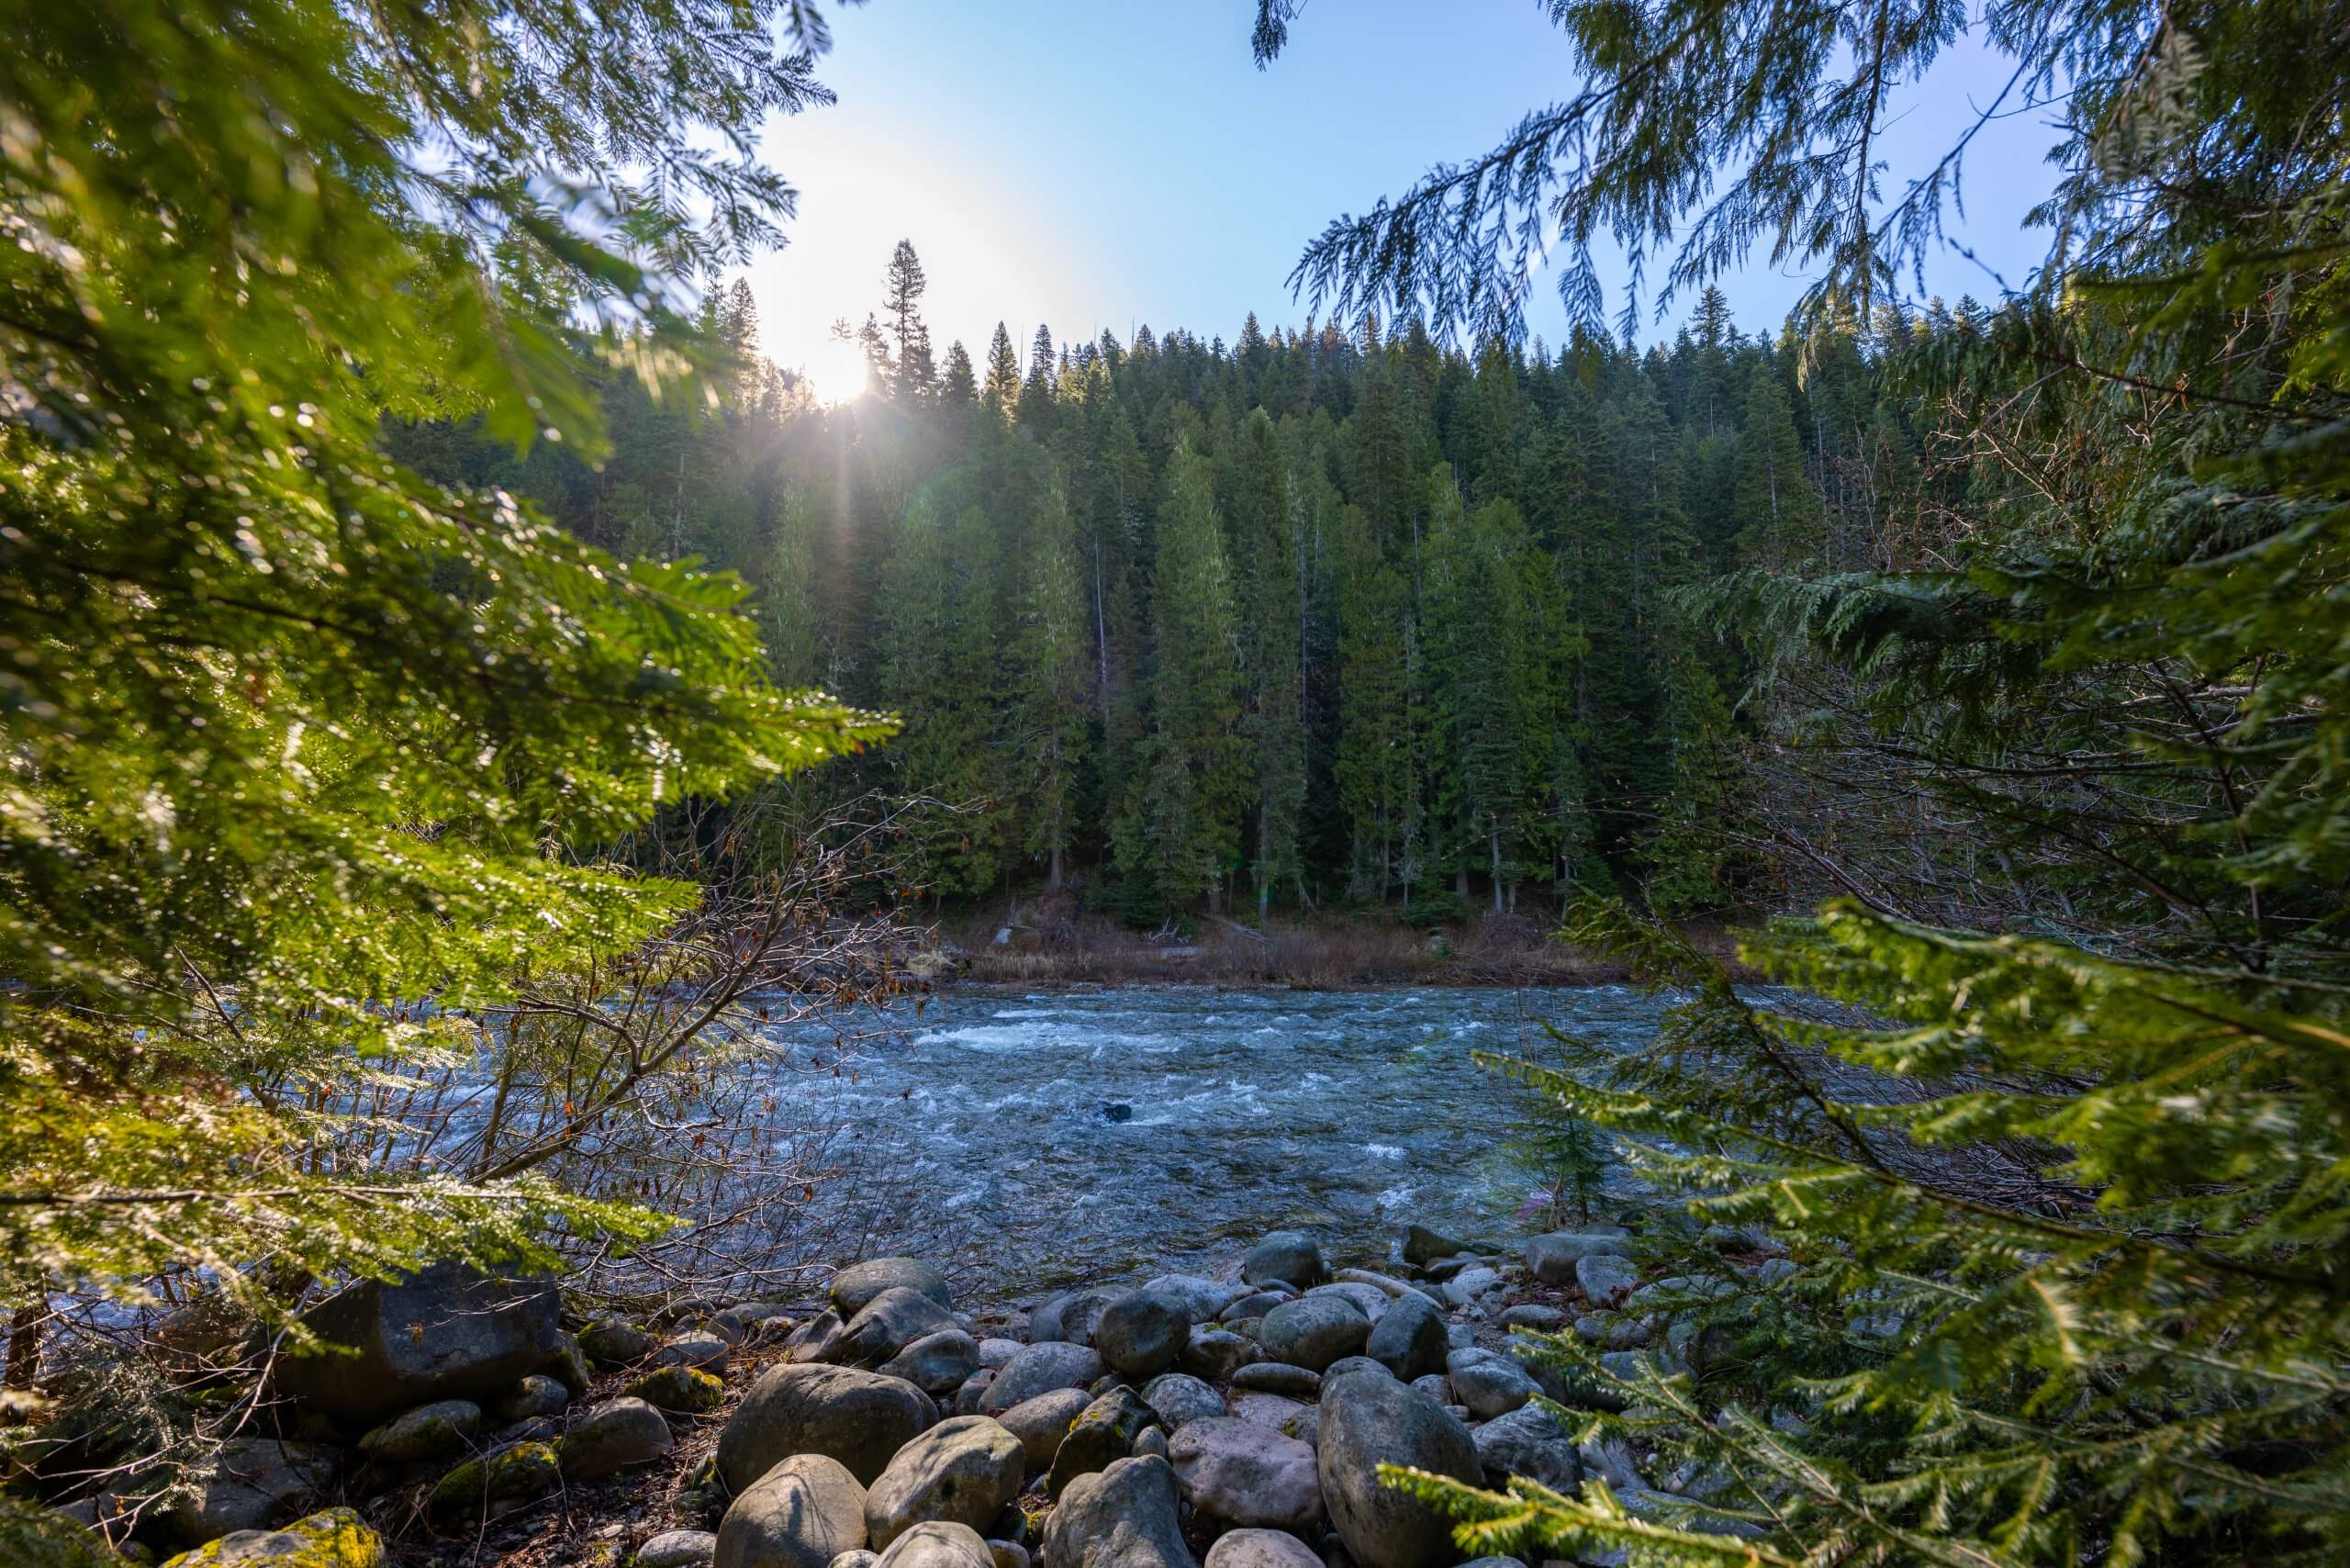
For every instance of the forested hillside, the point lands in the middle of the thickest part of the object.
(1327, 616)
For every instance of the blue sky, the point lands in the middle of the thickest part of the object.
(1092, 163)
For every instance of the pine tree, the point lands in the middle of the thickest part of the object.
(957, 391)
(1269, 551)
(1002, 391)
(1049, 685)
(1035, 410)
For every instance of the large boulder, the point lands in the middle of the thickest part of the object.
(677, 1549)
(963, 1471)
(939, 1544)
(1528, 1441)
(337, 1538)
(860, 1419)
(619, 1434)
(888, 1324)
(937, 1363)
(252, 1483)
(1552, 1258)
(1368, 1299)
(1606, 1278)
(1041, 1423)
(1120, 1518)
(1104, 1432)
(802, 1513)
(1178, 1398)
(1260, 1548)
(856, 1286)
(1142, 1333)
(1315, 1330)
(1040, 1369)
(1369, 1421)
(446, 1333)
(1409, 1337)
(1238, 1472)
(1289, 1257)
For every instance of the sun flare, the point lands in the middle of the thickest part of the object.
(837, 371)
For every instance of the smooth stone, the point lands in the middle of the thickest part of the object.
(1178, 1398)
(1289, 1257)
(337, 1538)
(1409, 1337)
(1260, 1548)
(1423, 1245)
(860, 1419)
(1346, 1364)
(427, 1431)
(701, 1350)
(1471, 1284)
(937, 1364)
(1070, 1316)
(613, 1341)
(1253, 1305)
(1612, 1330)
(938, 1544)
(860, 1557)
(854, 1288)
(495, 1481)
(1435, 1385)
(1532, 1314)
(1528, 1441)
(1368, 1421)
(814, 1340)
(615, 1436)
(684, 1390)
(995, 1354)
(1240, 1472)
(1386, 1284)
(1215, 1354)
(1488, 1383)
(1142, 1334)
(1274, 1410)
(538, 1394)
(1313, 1331)
(973, 1390)
(1369, 1300)
(801, 1513)
(1552, 1258)
(1606, 1278)
(747, 1320)
(447, 1332)
(1040, 1369)
(677, 1549)
(1277, 1377)
(1041, 1423)
(254, 1482)
(1305, 1426)
(1008, 1553)
(1124, 1516)
(1153, 1440)
(1103, 1433)
(1202, 1297)
(886, 1324)
(964, 1471)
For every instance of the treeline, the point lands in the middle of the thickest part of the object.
(1332, 616)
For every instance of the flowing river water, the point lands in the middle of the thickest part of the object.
(1042, 1138)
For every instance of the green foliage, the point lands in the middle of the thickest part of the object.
(298, 738)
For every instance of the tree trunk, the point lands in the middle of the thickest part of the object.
(24, 1345)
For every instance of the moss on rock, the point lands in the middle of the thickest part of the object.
(337, 1538)
(687, 1389)
(523, 1470)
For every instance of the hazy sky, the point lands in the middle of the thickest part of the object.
(1092, 163)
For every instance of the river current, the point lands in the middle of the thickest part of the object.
(1038, 1139)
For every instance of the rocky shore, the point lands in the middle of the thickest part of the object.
(1188, 1422)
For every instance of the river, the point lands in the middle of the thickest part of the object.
(1039, 1140)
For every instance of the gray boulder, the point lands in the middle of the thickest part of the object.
(886, 1324)
(1215, 1353)
(537, 1395)
(1409, 1337)
(860, 1419)
(1202, 1297)
(1471, 1284)
(427, 1431)
(937, 1364)
(1313, 1331)
(617, 1435)
(1041, 1423)
(613, 1341)
(1120, 1518)
(1238, 1472)
(973, 1389)
(1532, 1314)
(445, 1333)
(1274, 1410)
(1278, 1377)
(996, 1354)
(1528, 1441)
(1606, 1278)
(1346, 1364)
(254, 1482)
(1552, 1258)
(801, 1513)
(964, 1471)
(1423, 1245)
(699, 1348)
(1367, 1421)
(939, 1544)
(1488, 1383)
(1289, 1257)
(1070, 1316)
(1040, 1369)
(1104, 1432)
(677, 1549)
(1142, 1334)
(1179, 1399)
(336, 1534)
(815, 1339)
(1368, 1299)
(1260, 1548)
(854, 1287)
(1256, 1304)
